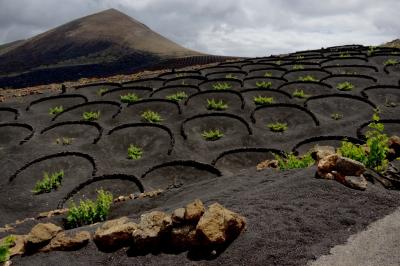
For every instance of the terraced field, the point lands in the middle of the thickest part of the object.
(322, 96)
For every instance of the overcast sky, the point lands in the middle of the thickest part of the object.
(224, 27)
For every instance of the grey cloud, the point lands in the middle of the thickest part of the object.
(236, 27)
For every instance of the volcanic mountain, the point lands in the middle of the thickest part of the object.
(104, 43)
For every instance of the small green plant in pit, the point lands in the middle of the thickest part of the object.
(134, 152)
(177, 97)
(336, 116)
(299, 57)
(64, 141)
(291, 161)
(101, 91)
(371, 50)
(344, 55)
(264, 84)
(56, 110)
(221, 86)
(49, 182)
(212, 135)
(263, 100)
(391, 62)
(231, 76)
(179, 75)
(268, 74)
(277, 127)
(91, 116)
(345, 86)
(300, 94)
(217, 105)
(183, 82)
(279, 62)
(307, 78)
(377, 145)
(150, 116)
(298, 67)
(89, 211)
(129, 98)
(5, 246)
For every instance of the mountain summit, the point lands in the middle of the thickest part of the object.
(103, 38)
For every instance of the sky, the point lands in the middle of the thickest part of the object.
(224, 27)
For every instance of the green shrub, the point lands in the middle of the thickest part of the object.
(268, 74)
(263, 100)
(129, 98)
(298, 67)
(221, 86)
(212, 135)
(345, 86)
(373, 153)
(300, 94)
(177, 97)
(64, 141)
(290, 161)
(152, 117)
(49, 182)
(278, 62)
(5, 246)
(91, 116)
(299, 57)
(101, 91)
(179, 75)
(217, 105)
(344, 55)
(264, 84)
(391, 62)
(372, 49)
(134, 152)
(277, 127)
(336, 116)
(56, 110)
(231, 76)
(307, 78)
(88, 211)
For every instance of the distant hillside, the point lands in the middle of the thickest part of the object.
(105, 43)
(393, 44)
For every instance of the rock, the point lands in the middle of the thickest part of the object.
(394, 147)
(40, 235)
(356, 182)
(267, 164)
(349, 167)
(326, 165)
(320, 152)
(153, 226)
(114, 234)
(64, 242)
(194, 211)
(183, 237)
(178, 216)
(218, 225)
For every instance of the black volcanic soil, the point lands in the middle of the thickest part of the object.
(292, 216)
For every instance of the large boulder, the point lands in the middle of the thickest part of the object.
(349, 167)
(153, 226)
(219, 225)
(356, 182)
(64, 242)
(183, 237)
(114, 234)
(40, 235)
(194, 211)
(326, 165)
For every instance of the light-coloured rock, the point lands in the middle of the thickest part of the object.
(40, 235)
(319, 152)
(218, 225)
(349, 167)
(356, 182)
(178, 216)
(114, 233)
(326, 165)
(267, 164)
(194, 211)
(64, 242)
(152, 227)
